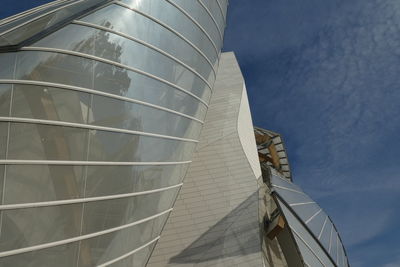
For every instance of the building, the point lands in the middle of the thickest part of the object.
(126, 139)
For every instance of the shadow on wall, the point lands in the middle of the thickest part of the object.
(237, 234)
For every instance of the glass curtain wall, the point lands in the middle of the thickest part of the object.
(98, 123)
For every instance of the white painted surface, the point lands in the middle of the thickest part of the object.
(246, 134)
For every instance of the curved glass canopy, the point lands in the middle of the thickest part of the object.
(316, 236)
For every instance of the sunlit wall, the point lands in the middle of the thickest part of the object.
(98, 122)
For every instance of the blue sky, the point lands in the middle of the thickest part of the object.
(326, 75)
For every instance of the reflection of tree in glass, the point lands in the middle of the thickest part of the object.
(72, 70)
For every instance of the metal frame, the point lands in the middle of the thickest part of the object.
(83, 200)
(197, 24)
(79, 238)
(117, 64)
(129, 253)
(170, 29)
(51, 29)
(91, 25)
(96, 92)
(90, 163)
(327, 252)
(92, 127)
(221, 36)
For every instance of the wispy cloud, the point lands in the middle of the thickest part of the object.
(325, 75)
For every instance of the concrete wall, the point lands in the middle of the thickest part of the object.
(215, 218)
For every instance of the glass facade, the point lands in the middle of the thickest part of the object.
(316, 237)
(99, 118)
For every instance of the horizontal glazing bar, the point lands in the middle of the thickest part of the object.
(312, 217)
(299, 204)
(95, 92)
(212, 18)
(82, 200)
(144, 44)
(129, 253)
(195, 22)
(92, 127)
(78, 54)
(88, 163)
(172, 30)
(79, 238)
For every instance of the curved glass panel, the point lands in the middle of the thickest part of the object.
(99, 250)
(149, 31)
(224, 7)
(5, 96)
(3, 139)
(140, 258)
(108, 146)
(60, 182)
(119, 49)
(112, 180)
(178, 21)
(8, 61)
(50, 224)
(81, 72)
(292, 198)
(45, 22)
(311, 251)
(43, 183)
(125, 115)
(43, 142)
(201, 16)
(316, 223)
(215, 11)
(173, 59)
(60, 256)
(56, 104)
(36, 12)
(49, 103)
(102, 215)
(315, 228)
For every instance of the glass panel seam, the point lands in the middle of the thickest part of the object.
(7, 146)
(78, 238)
(330, 240)
(222, 13)
(95, 92)
(90, 163)
(85, 178)
(93, 127)
(87, 24)
(303, 203)
(337, 250)
(129, 253)
(196, 23)
(38, 17)
(313, 216)
(308, 246)
(213, 19)
(171, 30)
(73, 53)
(83, 200)
(322, 229)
